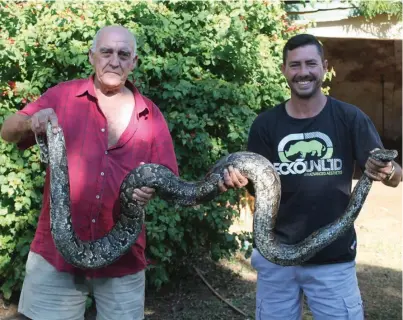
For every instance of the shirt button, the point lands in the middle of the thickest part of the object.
(106, 152)
(103, 129)
(93, 220)
(97, 196)
(102, 173)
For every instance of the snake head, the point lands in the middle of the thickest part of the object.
(384, 155)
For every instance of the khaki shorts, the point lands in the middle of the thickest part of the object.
(51, 295)
(331, 291)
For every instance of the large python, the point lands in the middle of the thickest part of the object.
(266, 182)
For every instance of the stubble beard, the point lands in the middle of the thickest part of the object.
(305, 95)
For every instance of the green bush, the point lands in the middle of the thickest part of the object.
(210, 66)
(370, 9)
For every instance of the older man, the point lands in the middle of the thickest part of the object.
(110, 128)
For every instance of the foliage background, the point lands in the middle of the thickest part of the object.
(369, 9)
(210, 66)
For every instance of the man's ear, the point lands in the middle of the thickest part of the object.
(283, 68)
(91, 57)
(135, 59)
(325, 65)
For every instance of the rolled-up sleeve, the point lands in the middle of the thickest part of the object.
(47, 100)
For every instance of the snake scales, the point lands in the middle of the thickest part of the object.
(259, 171)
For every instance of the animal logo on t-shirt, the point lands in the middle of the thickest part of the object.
(314, 147)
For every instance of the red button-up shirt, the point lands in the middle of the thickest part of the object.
(96, 171)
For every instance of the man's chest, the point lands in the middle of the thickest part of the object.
(117, 120)
(94, 135)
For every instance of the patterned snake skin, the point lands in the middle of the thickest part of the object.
(259, 171)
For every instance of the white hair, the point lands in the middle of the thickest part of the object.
(95, 40)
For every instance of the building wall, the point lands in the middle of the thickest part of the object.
(380, 27)
(369, 75)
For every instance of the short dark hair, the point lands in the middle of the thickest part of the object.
(301, 40)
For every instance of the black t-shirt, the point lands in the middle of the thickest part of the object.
(315, 159)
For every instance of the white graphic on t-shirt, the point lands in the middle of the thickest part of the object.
(307, 154)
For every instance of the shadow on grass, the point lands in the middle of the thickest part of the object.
(381, 290)
(189, 297)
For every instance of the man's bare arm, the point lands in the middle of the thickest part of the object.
(15, 128)
(18, 127)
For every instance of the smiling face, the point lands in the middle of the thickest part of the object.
(304, 70)
(113, 58)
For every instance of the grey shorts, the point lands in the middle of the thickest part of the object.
(51, 295)
(331, 290)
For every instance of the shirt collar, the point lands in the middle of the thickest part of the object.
(88, 87)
